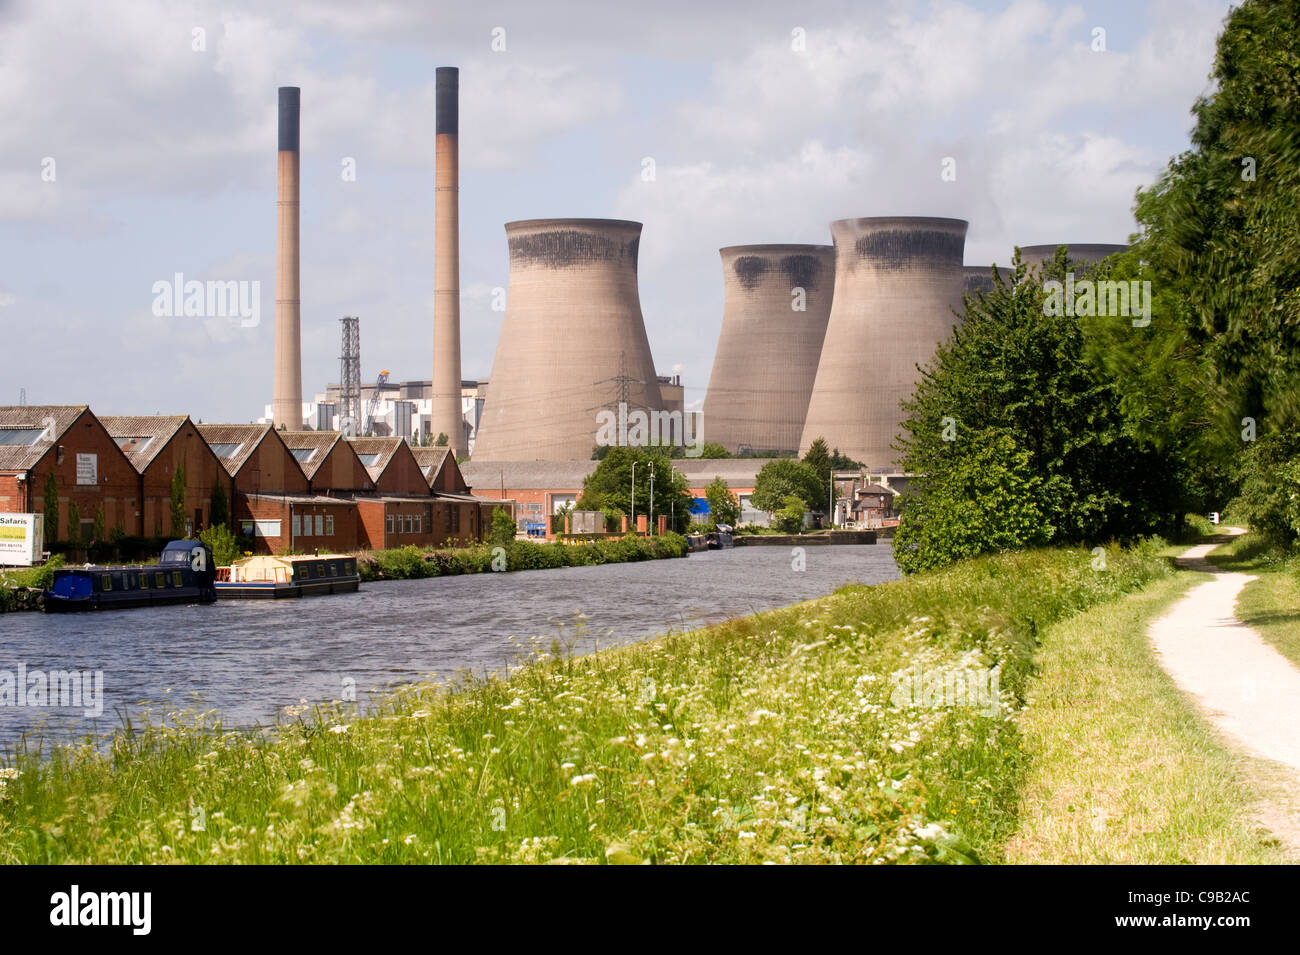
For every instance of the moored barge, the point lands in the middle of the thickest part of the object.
(184, 575)
(269, 578)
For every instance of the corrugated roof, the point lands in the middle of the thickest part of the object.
(383, 448)
(431, 461)
(52, 420)
(322, 442)
(245, 438)
(158, 429)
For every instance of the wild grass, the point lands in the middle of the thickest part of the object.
(773, 738)
(1124, 770)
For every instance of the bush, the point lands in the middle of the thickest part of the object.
(225, 546)
(789, 519)
(986, 499)
(503, 527)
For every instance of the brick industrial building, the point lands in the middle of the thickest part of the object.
(299, 491)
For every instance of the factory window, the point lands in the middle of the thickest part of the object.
(368, 459)
(303, 455)
(320, 525)
(22, 437)
(246, 528)
(410, 524)
(267, 528)
(226, 450)
(390, 523)
(419, 524)
(329, 525)
(297, 526)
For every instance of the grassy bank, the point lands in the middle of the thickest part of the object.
(407, 563)
(1270, 605)
(1123, 769)
(779, 737)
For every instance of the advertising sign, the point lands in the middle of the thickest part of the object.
(22, 539)
(87, 469)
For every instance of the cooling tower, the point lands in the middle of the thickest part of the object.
(897, 282)
(445, 412)
(573, 342)
(1035, 256)
(286, 394)
(777, 302)
(979, 278)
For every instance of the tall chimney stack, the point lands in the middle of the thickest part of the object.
(445, 406)
(286, 399)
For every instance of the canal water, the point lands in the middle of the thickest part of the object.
(248, 659)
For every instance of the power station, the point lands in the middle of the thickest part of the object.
(816, 341)
(776, 305)
(898, 282)
(573, 342)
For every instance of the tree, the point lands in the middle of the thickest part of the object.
(724, 508)
(789, 518)
(74, 524)
(986, 499)
(178, 501)
(707, 449)
(1013, 370)
(99, 531)
(609, 487)
(52, 507)
(784, 478)
(503, 529)
(819, 459)
(441, 441)
(219, 508)
(842, 462)
(1221, 242)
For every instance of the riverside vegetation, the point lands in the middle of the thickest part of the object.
(779, 737)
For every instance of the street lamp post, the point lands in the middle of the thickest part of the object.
(634, 497)
(650, 527)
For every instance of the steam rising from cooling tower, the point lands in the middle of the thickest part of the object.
(446, 416)
(286, 395)
(897, 281)
(768, 350)
(573, 342)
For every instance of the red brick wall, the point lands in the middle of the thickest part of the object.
(276, 509)
(435, 528)
(403, 475)
(202, 472)
(342, 470)
(13, 495)
(271, 468)
(117, 490)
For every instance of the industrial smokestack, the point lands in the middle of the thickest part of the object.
(777, 302)
(446, 416)
(1036, 256)
(573, 343)
(897, 282)
(286, 399)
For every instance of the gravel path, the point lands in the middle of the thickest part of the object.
(1246, 688)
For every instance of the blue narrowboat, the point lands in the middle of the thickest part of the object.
(184, 575)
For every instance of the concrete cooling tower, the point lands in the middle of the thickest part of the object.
(979, 278)
(1035, 255)
(777, 302)
(897, 282)
(573, 342)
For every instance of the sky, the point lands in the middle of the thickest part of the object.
(139, 142)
